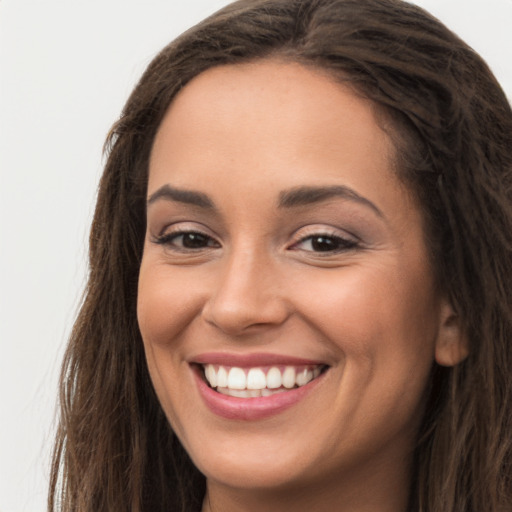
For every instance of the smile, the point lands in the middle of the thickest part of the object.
(259, 381)
(253, 386)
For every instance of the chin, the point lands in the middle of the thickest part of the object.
(262, 463)
(237, 471)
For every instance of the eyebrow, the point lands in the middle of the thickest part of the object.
(303, 196)
(181, 196)
(296, 197)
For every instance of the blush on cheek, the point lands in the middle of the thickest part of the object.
(162, 310)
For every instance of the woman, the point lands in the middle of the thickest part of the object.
(300, 257)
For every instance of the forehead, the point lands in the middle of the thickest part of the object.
(279, 112)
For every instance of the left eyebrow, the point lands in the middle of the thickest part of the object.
(303, 196)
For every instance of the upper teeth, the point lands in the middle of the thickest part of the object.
(274, 377)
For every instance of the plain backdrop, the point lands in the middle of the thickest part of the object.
(66, 69)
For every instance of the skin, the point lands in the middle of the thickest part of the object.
(257, 282)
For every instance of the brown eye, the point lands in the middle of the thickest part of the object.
(194, 240)
(322, 243)
(325, 243)
(187, 240)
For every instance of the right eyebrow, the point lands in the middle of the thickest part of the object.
(168, 193)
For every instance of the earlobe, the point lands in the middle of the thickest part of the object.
(451, 344)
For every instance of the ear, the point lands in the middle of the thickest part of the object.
(451, 345)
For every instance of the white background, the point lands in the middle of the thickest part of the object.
(66, 69)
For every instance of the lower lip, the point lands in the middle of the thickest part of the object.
(249, 409)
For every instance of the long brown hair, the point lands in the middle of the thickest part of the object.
(452, 127)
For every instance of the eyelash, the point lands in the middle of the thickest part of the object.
(337, 243)
(169, 240)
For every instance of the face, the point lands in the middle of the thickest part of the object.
(288, 310)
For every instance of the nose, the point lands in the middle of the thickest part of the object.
(247, 295)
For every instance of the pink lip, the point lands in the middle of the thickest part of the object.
(252, 360)
(250, 409)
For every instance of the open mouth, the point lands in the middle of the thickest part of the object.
(259, 381)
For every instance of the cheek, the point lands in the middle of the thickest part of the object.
(166, 304)
(164, 311)
(383, 319)
(385, 329)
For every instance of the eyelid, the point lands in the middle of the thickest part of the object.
(323, 230)
(185, 226)
(174, 230)
(347, 239)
